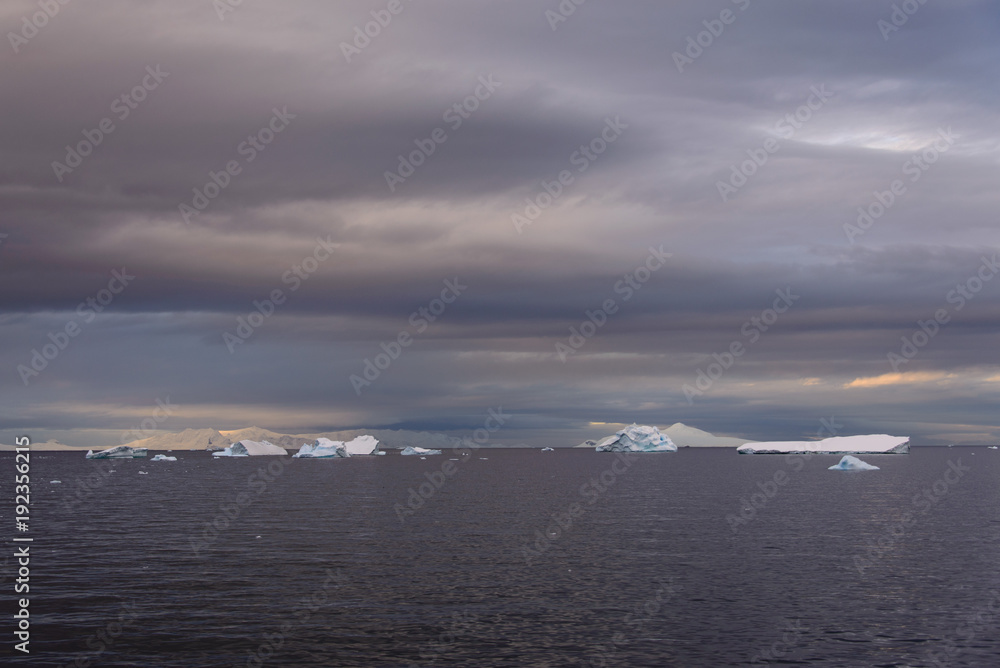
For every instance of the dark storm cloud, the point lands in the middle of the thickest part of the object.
(323, 178)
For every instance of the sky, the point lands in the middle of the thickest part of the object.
(762, 219)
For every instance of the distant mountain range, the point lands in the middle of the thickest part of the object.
(205, 439)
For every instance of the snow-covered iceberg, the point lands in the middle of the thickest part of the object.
(873, 444)
(410, 450)
(851, 463)
(117, 452)
(363, 445)
(163, 458)
(635, 438)
(251, 449)
(322, 448)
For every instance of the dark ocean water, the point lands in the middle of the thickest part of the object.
(321, 567)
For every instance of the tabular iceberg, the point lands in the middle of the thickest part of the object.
(163, 458)
(117, 452)
(637, 439)
(877, 444)
(850, 463)
(322, 448)
(410, 450)
(251, 449)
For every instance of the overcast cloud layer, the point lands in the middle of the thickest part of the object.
(714, 157)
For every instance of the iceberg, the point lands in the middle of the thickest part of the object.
(363, 445)
(410, 450)
(251, 449)
(873, 444)
(637, 439)
(548, 449)
(322, 448)
(117, 452)
(851, 463)
(163, 458)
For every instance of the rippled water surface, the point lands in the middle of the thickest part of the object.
(520, 559)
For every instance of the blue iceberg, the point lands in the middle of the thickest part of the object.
(851, 463)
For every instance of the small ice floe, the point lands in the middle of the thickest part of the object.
(548, 449)
(55, 482)
(993, 447)
(163, 458)
(423, 458)
(453, 459)
(143, 473)
(484, 457)
(851, 463)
